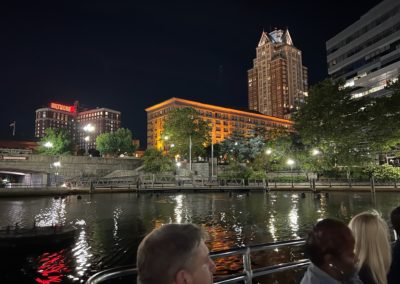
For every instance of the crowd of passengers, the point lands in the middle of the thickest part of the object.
(357, 253)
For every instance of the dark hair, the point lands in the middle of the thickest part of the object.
(165, 251)
(328, 236)
(395, 219)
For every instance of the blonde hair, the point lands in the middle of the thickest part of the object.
(372, 246)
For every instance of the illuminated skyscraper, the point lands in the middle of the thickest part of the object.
(277, 83)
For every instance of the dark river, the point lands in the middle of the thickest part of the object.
(112, 225)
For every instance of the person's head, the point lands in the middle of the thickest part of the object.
(372, 246)
(330, 246)
(395, 219)
(175, 253)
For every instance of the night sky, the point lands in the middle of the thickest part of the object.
(128, 55)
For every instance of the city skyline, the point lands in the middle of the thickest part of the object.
(130, 56)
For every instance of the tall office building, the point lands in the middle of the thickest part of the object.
(367, 53)
(82, 125)
(277, 83)
(223, 121)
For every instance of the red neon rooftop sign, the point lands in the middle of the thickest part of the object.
(63, 107)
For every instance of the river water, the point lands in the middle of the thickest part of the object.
(112, 225)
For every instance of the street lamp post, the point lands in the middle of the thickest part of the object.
(290, 163)
(212, 160)
(87, 139)
(190, 153)
(56, 165)
(165, 144)
(48, 145)
(88, 128)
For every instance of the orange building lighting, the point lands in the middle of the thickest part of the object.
(222, 120)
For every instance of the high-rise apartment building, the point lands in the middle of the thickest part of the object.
(367, 53)
(222, 121)
(277, 83)
(83, 126)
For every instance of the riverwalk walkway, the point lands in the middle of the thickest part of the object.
(212, 187)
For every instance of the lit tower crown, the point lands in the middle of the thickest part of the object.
(277, 83)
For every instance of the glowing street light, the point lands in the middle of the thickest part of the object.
(316, 152)
(178, 164)
(57, 165)
(89, 128)
(290, 163)
(48, 145)
(268, 151)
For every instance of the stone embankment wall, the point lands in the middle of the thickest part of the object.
(71, 166)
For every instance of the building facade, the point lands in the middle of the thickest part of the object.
(100, 120)
(366, 55)
(56, 116)
(82, 126)
(223, 121)
(277, 83)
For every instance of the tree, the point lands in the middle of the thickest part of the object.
(349, 131)
(181, 126)
(155, 162)
(242, 149)
(55, 142)
(115, 143)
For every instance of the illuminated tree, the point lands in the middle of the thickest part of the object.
(155, 162)
(181, 126)
(115, 143)
(349, 131)
(55, 142)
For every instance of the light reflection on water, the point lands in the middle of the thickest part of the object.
(55, 214)
(112, 225)
(178, 211)
(293, 216)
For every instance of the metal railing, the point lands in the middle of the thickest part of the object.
(246, 276)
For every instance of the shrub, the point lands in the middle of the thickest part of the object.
(383, 172)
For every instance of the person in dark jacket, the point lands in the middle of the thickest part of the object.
(394, 271)
(330, 247)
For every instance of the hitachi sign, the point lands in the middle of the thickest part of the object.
(63, 107)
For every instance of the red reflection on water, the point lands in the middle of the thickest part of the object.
(52, 267)
(222, 239)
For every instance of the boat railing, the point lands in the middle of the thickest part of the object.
(245, 252)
